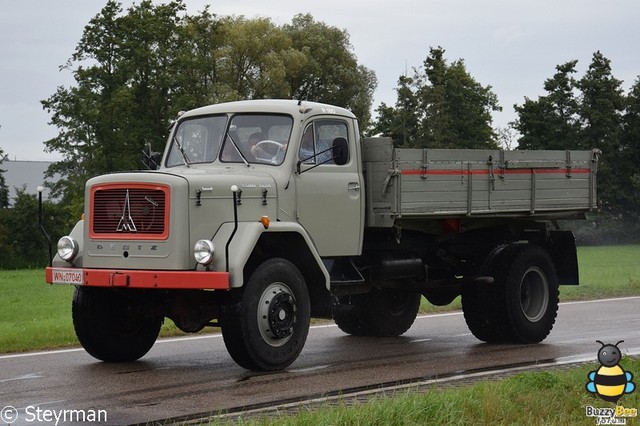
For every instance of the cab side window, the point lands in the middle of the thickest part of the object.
(318, 140)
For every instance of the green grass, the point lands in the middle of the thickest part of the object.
(606, 272)
(531, 398)
(36, 316)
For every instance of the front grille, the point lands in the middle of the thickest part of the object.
(133, 211)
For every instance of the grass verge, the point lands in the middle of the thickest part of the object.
(530, 398)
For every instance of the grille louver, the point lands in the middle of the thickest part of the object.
(131, 212)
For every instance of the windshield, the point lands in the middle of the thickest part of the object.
(196, 140)
(257, 139)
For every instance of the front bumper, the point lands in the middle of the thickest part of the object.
(187, 280)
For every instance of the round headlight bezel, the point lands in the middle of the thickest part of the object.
(203, 251)
(67, 248)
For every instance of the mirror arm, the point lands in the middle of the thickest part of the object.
(149, 158)
(315, 165)
(314, 156)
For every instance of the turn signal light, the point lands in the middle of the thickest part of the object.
(264, 220)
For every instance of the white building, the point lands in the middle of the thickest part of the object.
(25, 174)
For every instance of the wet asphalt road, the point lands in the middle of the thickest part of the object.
(194, 375)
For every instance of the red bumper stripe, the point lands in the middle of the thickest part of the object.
(139, 279)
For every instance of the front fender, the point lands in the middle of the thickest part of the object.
(244, 242)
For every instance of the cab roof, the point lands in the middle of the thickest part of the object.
(283, 106)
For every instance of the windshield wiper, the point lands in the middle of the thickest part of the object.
(244, 159)
(185, 158)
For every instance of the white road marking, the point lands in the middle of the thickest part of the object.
(25, 377)
(613, 299)
(27, 354)
(307, 370)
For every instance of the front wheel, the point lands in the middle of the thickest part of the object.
(113, 326)
(265, 324)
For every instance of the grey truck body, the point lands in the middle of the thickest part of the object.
(325, 224)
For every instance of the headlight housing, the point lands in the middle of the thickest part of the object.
(67, 248)
(203, 251)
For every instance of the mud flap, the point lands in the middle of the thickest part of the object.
(564, 256)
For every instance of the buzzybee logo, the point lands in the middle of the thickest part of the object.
(610, 382)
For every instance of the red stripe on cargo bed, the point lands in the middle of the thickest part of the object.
(449, 172)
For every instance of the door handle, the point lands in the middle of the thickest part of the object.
(354, 186)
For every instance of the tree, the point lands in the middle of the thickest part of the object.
(199, 77)
(330, 71)
(400, 123)
(601, 110)
(629, 155)
(256, 58)
(507, 137)
(551, 122)
(443, 106)
(4, 190)
(601, 106)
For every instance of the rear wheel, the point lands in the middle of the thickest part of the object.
(112, 326)
(265, 324)
(381, 312)
(522, 303)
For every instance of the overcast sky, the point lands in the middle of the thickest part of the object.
(511, 45)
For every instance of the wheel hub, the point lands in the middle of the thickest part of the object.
(281, 315)
(534, 294)
(277, 314)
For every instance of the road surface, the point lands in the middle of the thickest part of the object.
(183, 376)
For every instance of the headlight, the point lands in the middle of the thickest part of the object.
(203, 252)
(67, 248)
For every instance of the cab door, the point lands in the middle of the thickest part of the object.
(330, 194)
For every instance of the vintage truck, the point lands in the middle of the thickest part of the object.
(262, 214)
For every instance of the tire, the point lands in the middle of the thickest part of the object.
(265, 324)
(111, 326)
(380, 313)
(522, 303)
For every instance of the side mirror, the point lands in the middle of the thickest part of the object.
(340, 151)
(151, 159)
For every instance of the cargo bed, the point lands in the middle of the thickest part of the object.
(441, 183)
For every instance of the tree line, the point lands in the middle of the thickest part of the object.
(135, 69)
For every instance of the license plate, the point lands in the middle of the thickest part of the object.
(67, 276)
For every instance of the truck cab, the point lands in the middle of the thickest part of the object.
(238, 184)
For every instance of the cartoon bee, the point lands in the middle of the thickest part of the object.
(610, 381)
